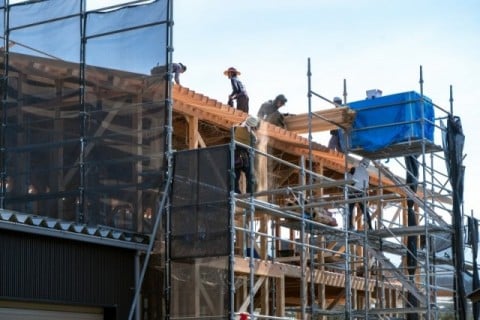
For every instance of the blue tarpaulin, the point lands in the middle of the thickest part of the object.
(384, 121)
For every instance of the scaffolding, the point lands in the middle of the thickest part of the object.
(285, 250)
(281, 252)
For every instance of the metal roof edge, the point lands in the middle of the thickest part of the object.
(45, 226)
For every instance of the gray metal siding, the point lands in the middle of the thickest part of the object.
(38, 268)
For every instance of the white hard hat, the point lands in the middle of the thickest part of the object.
(365, 162)
(251, 122)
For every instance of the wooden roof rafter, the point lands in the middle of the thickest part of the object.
(189, 102)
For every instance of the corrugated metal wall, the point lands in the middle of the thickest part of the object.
(37, 268)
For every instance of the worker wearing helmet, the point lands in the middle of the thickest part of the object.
(269, 111)
(335, 142)
(361, 181)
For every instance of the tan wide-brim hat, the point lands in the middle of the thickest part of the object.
(231, 69)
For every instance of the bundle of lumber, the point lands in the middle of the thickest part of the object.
(322, 120)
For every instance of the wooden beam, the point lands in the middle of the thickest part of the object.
(192, 132)
(255, 288)
(280, 296)
(322, 120)
(279, 270)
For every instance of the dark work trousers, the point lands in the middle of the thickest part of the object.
(242, 164)
(334, 142)
(242, 102)
(357, 195)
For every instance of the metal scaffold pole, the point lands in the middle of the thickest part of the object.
(169, 178)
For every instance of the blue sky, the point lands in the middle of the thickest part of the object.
(369, 43)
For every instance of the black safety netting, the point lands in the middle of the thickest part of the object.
(453, 142)
(83, 118)
(200, 204)
(200, 240)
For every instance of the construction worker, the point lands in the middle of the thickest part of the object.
(177, 69)
(245, 134)
(362, 178)
(334, 143)
(239, 92)
(269, 111)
